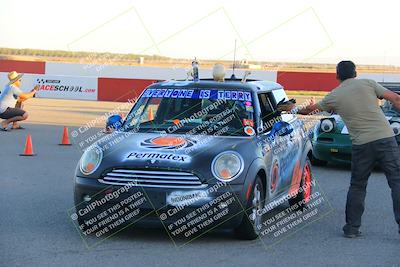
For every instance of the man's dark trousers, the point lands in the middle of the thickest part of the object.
(384, 152)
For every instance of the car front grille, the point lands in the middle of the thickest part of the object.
(152, 178)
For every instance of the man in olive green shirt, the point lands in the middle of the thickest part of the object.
(355, 100)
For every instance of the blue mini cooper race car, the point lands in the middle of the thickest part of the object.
(193, 155)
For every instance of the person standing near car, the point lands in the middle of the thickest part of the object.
(373, 141)
(8, 111)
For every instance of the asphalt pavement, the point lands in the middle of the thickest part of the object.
(35, 229)
(37, 193)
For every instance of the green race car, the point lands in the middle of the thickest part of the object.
(331, 141)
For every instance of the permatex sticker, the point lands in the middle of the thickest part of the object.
(249, 108)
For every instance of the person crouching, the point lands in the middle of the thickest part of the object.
(10, 112)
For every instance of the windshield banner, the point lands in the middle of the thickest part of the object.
(198, 94)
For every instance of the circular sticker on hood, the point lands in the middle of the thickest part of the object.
(167, 142)
(249, 130)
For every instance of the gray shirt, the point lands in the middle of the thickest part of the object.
(355, 100)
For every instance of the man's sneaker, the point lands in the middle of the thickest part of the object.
(352, 234)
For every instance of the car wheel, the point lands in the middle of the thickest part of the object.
(304, 194)
(317, 162)
(249, 228)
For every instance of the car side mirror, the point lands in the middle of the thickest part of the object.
(282, 128)
(114, 122)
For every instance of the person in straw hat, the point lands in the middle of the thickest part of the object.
(8, 111)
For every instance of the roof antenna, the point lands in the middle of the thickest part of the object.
(233, 77)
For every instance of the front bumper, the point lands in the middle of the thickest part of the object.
(156, 209)
(333, 148)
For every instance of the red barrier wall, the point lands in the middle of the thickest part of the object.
(23, 66)
(112, 89)
(119, 89)
(310, 81)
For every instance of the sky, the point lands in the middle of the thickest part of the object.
(309, 31)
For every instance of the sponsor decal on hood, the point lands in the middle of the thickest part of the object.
(168, 142)
(154, 156)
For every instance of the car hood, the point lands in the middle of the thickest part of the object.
(341, 127)
(175, 152)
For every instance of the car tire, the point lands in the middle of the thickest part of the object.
(248, 230)
(304, 194)
(317, 162)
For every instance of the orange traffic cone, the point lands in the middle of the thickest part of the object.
(151, 115)
(28, 147)
(65, 138)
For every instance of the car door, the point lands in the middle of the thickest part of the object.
(291, 159)
(274, 149)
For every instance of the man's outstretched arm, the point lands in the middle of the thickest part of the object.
(311, 108)
(25, 96)
(392, 97)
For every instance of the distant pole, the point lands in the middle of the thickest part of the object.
(384, 65)
(234, 58)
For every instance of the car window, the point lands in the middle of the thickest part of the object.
(265, 104)
(279, 95)
(268, 113)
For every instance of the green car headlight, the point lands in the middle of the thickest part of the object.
(395, 127)
(227, 166)
(91, 159)
(327, 125)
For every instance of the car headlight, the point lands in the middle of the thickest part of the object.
(327, 125)
(91, 159)
(395, 127)
(227, 166)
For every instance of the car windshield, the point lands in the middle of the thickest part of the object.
(193, 111)
(390, 110)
